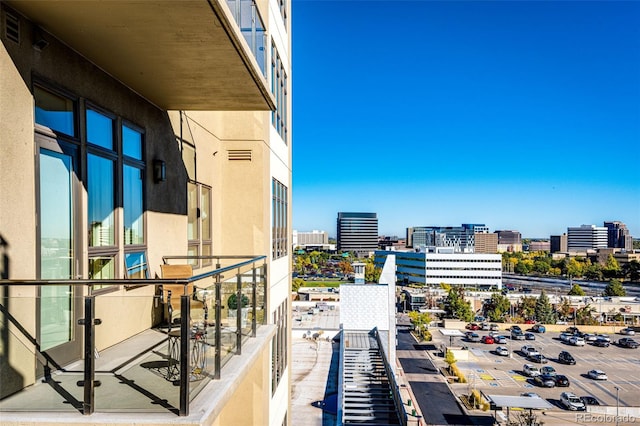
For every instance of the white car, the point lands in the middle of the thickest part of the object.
(628, 331)
(576, 341)
(603, 337)
(565, 337)
(502, 351)
(530, 395)
(597, 375)
(528, 350)
(590, 337)
(530, 370)
(571, 402)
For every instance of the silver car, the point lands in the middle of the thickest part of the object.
(502, 351)
(597, 375)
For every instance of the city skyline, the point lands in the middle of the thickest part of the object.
(518, 115)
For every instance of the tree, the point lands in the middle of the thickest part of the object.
(296, 283)
(584, 315)
(565, 309)
(544, 311)
(497, 307)
(345, 267)
(527, 306)
(614, 288)
(457, 306)
(593, 272)
(611, 267)
(575, 268)
(371, 273)
(631, 270)
(450, 359)
(576, 290)
(525, 418)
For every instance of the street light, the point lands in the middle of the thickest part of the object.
(617, 404)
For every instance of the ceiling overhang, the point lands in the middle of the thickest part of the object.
(187, 54)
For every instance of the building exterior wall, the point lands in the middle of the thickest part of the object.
(586, 237)
(357, 232)
(465, 269)
(486, 243)
(241, 197)
(558, 243)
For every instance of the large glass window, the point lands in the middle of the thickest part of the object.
(279, 90)
(199, 222)
(55, 112)
(132, 204)
(279, 221)
(100, 176)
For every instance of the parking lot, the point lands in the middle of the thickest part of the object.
(494, 374)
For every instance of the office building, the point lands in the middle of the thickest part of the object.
(486, 242)
(539, 246)
(443, 265)
(586, 237)
(509, 241)
(460, 238)
(357, 233)
(618, 236)
(558, 243)
(145, 145)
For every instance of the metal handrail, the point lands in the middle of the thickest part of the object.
(393, 385)
(89, 321)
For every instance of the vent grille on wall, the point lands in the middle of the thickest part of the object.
(12, 27)
(239, 155)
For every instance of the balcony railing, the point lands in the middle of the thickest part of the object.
(246, 14)
(165, 366)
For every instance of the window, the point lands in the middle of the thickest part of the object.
(199, 223)
(282, 4)
(279, 90)
(279, 224)
(279, 346)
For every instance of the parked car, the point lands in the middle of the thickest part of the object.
(577, 341)
(529, 350)
(488, 340)
(589, 400)
(485, 326)
(571, 402)
(589, 337)
(628, 331)
(502, 340)
(600, 342)
(502, 351)
(530, 321)
(547, 369)
(597, 375)
(565, 336)
(472, 326)
(540, 359)
(530, 370)
(529, 336)
(628, 342)
(562, 380)
(474, 337)
(573, 330)
(603, 337)
(515, 328)
(545, 381)
(539, 328)
(565, 357)
(517, 335)
(494, 327)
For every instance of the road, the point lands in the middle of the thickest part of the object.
(433, 396)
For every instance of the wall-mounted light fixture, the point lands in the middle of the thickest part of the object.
(39, 42)
(159, 171)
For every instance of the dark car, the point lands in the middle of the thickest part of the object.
(565, 358)
(562, 380)
(515, 328)
(539, 328)
(573, 330)
(545, 380)
(628, 342)
(600, 342)
(529, 336)
(589, 400)
(540, 359)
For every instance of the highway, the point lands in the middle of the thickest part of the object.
(592, 288)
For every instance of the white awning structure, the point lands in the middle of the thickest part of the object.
(451, 332)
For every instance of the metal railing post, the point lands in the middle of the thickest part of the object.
(239, 314)
(217, 361)
(185, 367)
(254, 296)
(264, 292)
(89, 382)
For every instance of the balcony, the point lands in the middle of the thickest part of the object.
(179, 371)
(189, 54)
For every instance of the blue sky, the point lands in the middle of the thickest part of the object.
(519, 115)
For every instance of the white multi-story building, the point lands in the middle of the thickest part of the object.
(445, 266)
(587, 237)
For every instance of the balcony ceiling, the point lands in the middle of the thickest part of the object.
(185, 54)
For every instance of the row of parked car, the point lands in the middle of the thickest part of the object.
(575, 337)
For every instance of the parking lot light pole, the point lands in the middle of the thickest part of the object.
(617, 405)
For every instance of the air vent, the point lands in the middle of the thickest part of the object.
(239, 155)
(12, 27)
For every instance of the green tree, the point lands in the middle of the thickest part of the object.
(497, 307)
(565, 309)
(457, 306)
(584, 315)
(450, 359)
(576, 290)
(614, 288)
(575, 268)
(371, 273)
(631, 270)
(593, 272)
(611, 267)
(544, 311)
(527, 306)
(296, 283)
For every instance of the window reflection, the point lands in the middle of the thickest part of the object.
(101, 201)
(136, 264)
(133, 210)
(54, 112)
(99, 129)
(131, 143)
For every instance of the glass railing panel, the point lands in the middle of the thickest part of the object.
(228, 337)
(247, 310)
